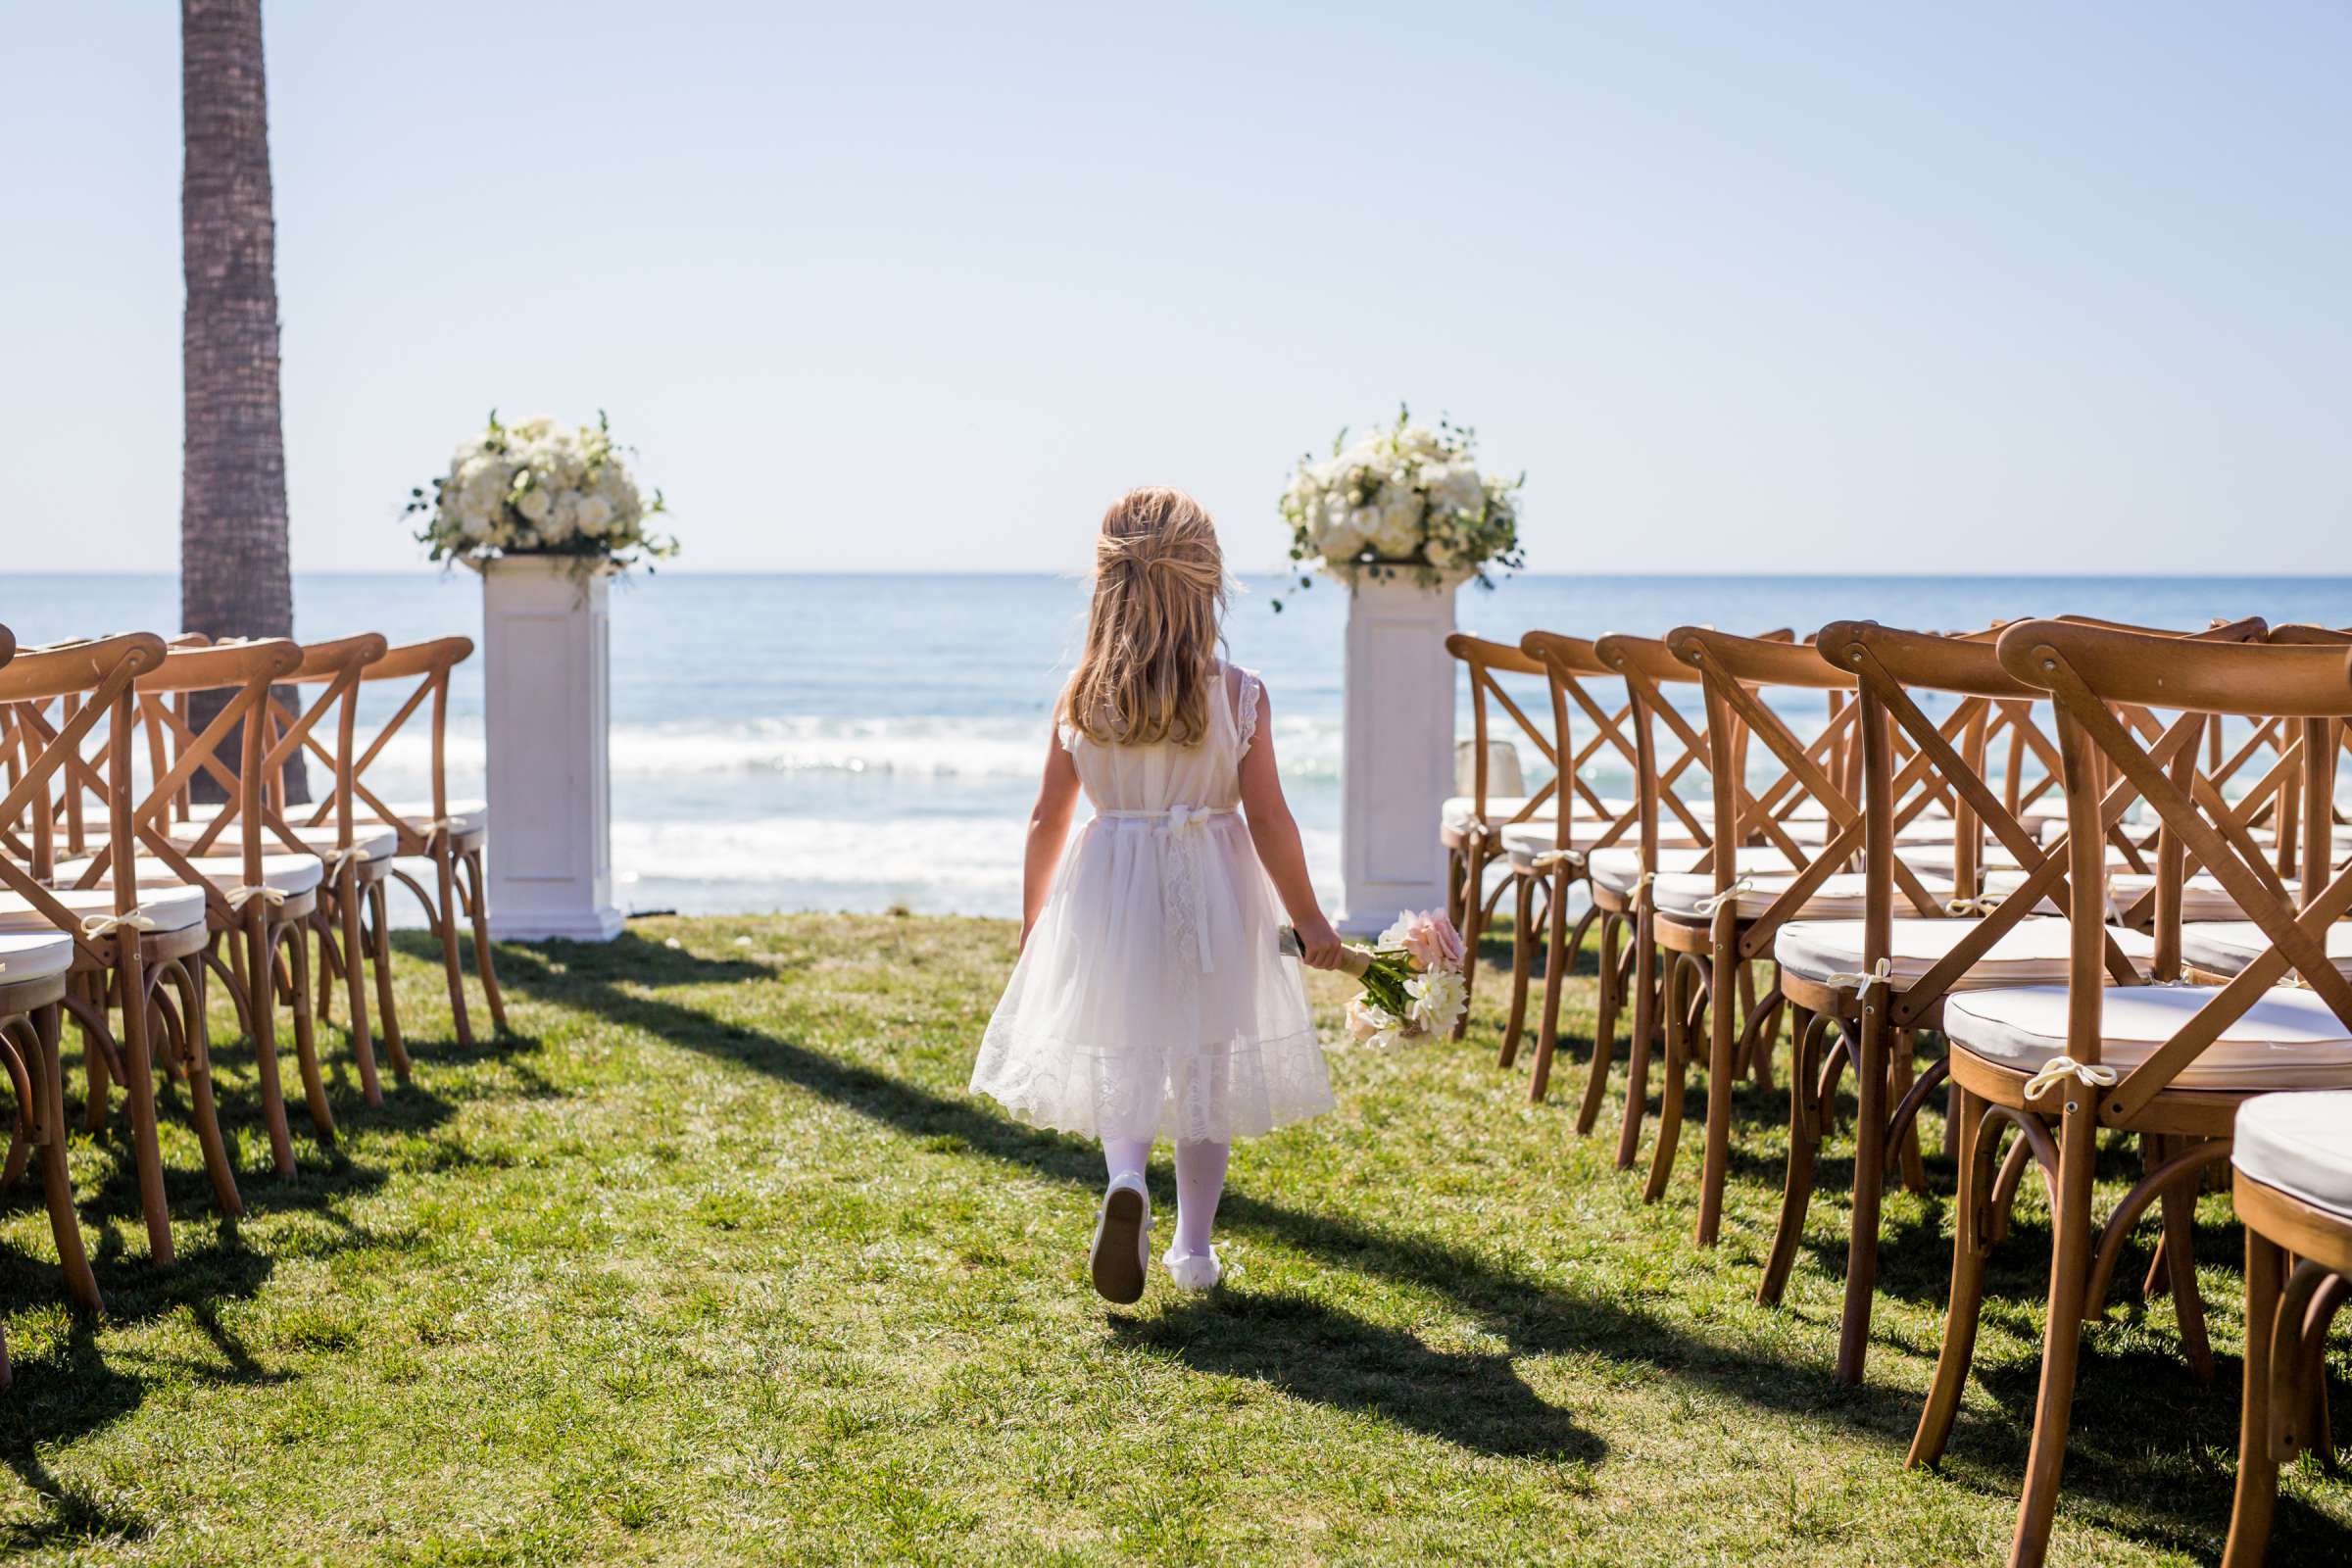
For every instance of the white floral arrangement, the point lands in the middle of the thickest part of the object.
(539, 488)
(1404, 498)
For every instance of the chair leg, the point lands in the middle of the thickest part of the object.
(445, 867)
(56, 1182)
(1647, 1006)
(1722, 1037)
(1871, 1075)
(306, 1035)
(355, 983)
(2180, 1203)
(478, 902)
(190, 979)
(1474, 908)
(1971, 1242)
(1455, 865)
(97, 1106)
(1523, 963)
(138, 1068)
(1902, 1062)
(2062, 1341)
(1555, 986)
(1681, 970)
(1805, 1142)
(2257, 1496)
(1604, 1022)
(380, 959)
(261, 1001)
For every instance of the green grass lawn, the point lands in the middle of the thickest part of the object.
(717, 1261)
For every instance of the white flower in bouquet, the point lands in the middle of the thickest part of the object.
(1438, 997)
(1369, 1024)
(537, 487)
(1407, 497)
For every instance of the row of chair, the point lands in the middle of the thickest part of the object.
(123, 896)
(2103, 864)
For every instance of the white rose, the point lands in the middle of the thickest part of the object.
(1399, 529)
(590, 513)
(1341, 539)
(1419, 441)
(1455, 486)
(533, 505)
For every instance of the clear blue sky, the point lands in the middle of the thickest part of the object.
(1775, 288)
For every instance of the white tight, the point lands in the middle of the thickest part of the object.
(1199, 1183)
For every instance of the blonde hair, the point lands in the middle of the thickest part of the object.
(1151, 631)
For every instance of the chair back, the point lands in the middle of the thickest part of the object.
(2089, 673)
(243, 673)
(428, 665)
(55, 698)
(1484, 660)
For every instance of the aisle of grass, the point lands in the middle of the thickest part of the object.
(717, 1262)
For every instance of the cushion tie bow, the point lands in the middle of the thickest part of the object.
(1880, 973)
(2058, 1069)
(238, 898)
(106, 925)
(1730, 895)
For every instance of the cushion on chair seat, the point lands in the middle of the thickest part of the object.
(1619, 867)
(291, 874)
(2300, 1144)
(1939, 858)
(1460, 811)
(30, 956)
(1924, 829)
(1524, 841)
(2226, 947)
(2202, 895)
(2288, 1039)
(172, 908)
(465, 816)
(377, 839)
(1838, 898)
(2034, 951)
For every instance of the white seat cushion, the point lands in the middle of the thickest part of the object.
(2224, 947)
(1838, 898)
(172, 908)
(2288, 1039)
(2301, 1145)
(2034, 951)
(1460, 811)
(1619, 867)
(466, 816)
(289, 873)
(2202, 896)
(1992, 857)
(377, 840)
(1524, 841)
(33, 956)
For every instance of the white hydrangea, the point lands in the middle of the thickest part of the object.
(542, 488)
(1403, 495)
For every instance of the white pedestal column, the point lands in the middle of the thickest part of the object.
(547, 686)
(1397, 767)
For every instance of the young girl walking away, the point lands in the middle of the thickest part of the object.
(1150, 999)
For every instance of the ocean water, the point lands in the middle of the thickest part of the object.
(788, 742)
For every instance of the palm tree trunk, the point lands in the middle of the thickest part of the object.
(234, 579)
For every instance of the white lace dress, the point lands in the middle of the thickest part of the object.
(1151, 1001)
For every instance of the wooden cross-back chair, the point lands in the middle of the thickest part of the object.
(1670, 834)
(1599, 826)
(136, 943)
(33, 964)
(350, 920)
(2292, 1189)
(451, 834)
(1878, 980)
(1766, 868)
(261, 902)
(2171, 1061)
(1475, 828)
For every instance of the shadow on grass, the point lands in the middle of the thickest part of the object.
(1312, 1352)
(2111, 1461)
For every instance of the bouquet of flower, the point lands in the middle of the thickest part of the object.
(1408, 497)
(1412, 981)
(538, 488)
